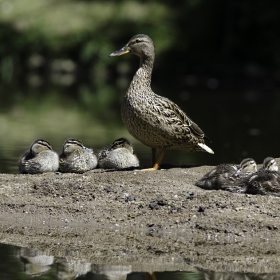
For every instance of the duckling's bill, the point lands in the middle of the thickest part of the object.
(120, 52)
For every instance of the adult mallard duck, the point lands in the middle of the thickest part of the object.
(118, 155)
(39, 158)
(76, 158)
(154, 120)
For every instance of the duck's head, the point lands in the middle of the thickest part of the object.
(122, 143)
(247, 165)
(140, 45)
(38, 146)
(72, 144)
(270, 164)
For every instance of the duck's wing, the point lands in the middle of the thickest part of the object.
(103, 153)
(173, 119)
(30, 166)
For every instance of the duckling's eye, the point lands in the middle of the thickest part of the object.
(137, 41)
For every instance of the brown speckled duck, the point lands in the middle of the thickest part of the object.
(265, 181)
(224, 175)
(247, 167)
(118, 155)
(270, 164)
(76, 158)
(154, 120)
(39, 158)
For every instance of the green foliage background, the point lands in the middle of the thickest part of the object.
(191, 36)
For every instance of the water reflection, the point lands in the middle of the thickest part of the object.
(110, 272)
(68, 268)
(25, 263)
(39, 263)
(35, 264)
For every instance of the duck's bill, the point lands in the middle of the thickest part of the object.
(237, 172)
(120, 52)
(88, 150)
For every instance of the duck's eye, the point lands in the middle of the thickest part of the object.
(137, 41)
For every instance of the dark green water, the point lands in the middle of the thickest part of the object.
(240, 123)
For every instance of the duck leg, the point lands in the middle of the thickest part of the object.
(151, 274)
(157, 163)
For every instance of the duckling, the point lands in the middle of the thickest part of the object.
(270, 164)
(265, 181)
(226, 174)
(216, 178)
(154, 120)
(118, 155)
(76, 158)
(39, 158)
(247, 166)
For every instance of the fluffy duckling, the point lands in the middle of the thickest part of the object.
(266, 181)
(76, 158)
(118, 155)
(217, 177)
(226, 174)
(247, 166)
(39, 158)
(270, 164)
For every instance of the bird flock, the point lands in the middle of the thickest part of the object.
(245, 178)
(76, 158)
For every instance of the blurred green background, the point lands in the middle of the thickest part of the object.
(218, 60)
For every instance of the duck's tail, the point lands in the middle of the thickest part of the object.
(206, 148)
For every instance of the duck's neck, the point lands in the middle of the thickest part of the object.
(143, 75)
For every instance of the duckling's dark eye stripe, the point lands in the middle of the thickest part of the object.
(44, 143)
(75, 142)
(271, 163)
